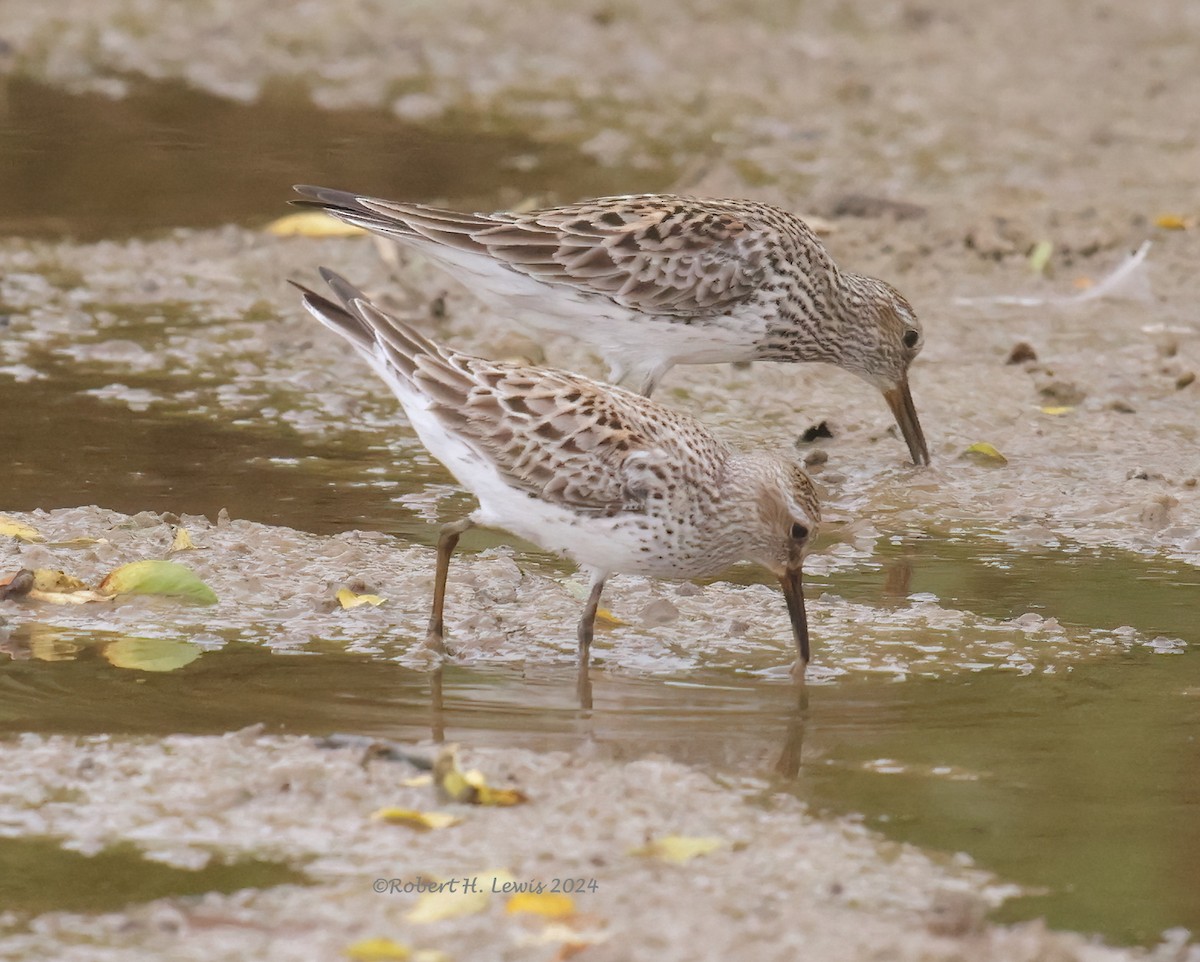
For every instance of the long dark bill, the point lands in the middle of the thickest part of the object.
(900, 400)
(793, 590)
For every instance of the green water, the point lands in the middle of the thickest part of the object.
(38, 875)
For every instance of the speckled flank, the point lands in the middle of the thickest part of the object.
(655, 280)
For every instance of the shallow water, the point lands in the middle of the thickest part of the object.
(1084, 782)
(169, 156)
(38, 875)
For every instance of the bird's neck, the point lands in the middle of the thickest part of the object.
(810, 318)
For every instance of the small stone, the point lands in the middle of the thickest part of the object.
(1022, 351)
(1063, 393)
(685, 589)
(1121, 406)
(738, 628)
(956, 914)
(658, 612)
(816, 459)
(1137, 474)
(223, 518)
(1184, 380)
(864, 205)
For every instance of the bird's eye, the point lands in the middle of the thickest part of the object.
(799, 532)
(911, 338)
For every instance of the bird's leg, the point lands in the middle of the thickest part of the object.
(447, 542)
(587, 624)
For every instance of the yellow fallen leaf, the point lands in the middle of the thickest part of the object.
(348, 599)
(457, 897)
(1039, 257)
(1055, 410)
(550, 905)
(157, 578)
(311, 223)
(13, 528)
(431, 955)
(50, 579)
(679, 848)
(469, 787)
(378, 950)
(1174, 222)
(415, 819)
(151, 654)
(83, 597)
(984, 453)
(182, 540)
(572, 939)
(580, 593)
(77, 543)
(417, 781)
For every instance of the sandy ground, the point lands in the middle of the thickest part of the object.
(1005, 124)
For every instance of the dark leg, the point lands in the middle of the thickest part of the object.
(447, 542)
(587, 624)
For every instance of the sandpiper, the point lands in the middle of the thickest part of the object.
(655, 280)
(607, 477)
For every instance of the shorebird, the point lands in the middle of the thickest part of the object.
(655, 280)
(604, 476)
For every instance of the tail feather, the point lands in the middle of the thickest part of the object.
(382, 338)
(392, 219)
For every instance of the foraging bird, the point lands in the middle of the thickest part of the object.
(655, 280)
(609, 478)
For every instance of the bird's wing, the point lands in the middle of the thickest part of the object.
(562, 438)
(652, 253)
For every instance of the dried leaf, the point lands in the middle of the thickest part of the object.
(1057, 409)
(13, 528)
(580, 593)
(550, 905)
(158, 578)
(571, 940)
(1174, 222)
(348, 599)
(50, 579)
(152, 654)
(76, 543)
(311, 223)
(984, 453)
(85, 596)
(378, 950)
(182, 540)
(414, 819)
(457, 897)
(1039, 257)
(469, 787)
(679, 848)
(417, 781)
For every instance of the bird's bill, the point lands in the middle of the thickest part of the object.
(900, 400)
(793, 591)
